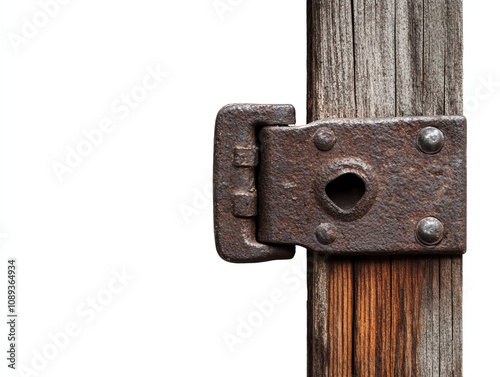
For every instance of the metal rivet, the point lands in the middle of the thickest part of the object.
(430, 140)
(324, 139)
(430, 231)
(326, 233)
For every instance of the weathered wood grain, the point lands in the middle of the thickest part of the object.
(390, 316)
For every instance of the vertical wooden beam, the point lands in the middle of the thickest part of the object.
(392, 316)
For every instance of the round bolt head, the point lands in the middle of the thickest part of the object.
(430, 231)
(430, 140)
(326, 233)
(324, 139)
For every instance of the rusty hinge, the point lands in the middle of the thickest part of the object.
(339, 186)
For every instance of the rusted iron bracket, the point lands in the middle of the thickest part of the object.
(338, 186)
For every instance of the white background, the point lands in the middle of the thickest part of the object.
(140, 203)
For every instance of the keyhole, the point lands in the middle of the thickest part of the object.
(346, 191)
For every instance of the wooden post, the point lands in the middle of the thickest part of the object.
(384, 316)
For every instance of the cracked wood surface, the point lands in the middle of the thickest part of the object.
(390, 316)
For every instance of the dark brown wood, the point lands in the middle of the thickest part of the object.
(384, 316)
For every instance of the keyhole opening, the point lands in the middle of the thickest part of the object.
(346, 191)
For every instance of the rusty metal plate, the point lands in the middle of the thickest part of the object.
(365, 186)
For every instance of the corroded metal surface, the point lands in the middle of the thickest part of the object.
(235, 168)
(373, 187)
(339, 186)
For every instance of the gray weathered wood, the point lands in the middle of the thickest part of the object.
(384, 316)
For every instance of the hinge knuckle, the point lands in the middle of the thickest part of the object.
(236, 158)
